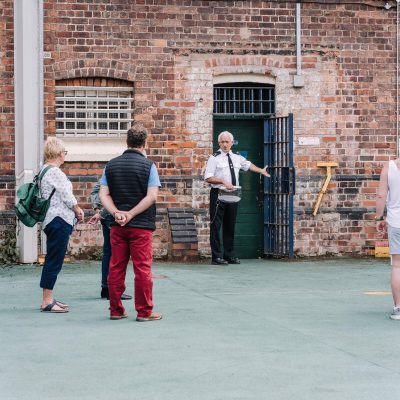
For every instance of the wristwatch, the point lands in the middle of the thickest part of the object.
(381, 218)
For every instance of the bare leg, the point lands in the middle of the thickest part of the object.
(396, 279)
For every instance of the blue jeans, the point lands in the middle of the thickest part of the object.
(58, 232)
(105, 260)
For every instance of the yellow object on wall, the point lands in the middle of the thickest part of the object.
(382, 249)
(328, 166)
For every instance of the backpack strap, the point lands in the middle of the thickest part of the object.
(44, 170)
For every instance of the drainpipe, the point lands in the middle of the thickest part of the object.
(298, 79)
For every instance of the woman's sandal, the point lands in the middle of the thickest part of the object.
(59, 303)
(50, 308)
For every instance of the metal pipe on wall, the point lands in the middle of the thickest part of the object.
(298, 78)
(298, 38)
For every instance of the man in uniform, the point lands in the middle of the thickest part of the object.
(222, 170)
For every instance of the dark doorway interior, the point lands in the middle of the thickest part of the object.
(241, 108)
(248, 134)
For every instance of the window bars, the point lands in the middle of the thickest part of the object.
(244, 100)
(93, 111)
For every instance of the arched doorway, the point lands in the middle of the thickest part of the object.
(241, 109)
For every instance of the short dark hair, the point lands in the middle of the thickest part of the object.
(136, 136)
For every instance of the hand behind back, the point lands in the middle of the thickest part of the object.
(122, 217)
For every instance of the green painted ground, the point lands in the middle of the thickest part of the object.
(259, 330)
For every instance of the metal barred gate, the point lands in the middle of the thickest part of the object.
(279, 190)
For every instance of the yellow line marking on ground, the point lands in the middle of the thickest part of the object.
(378, 293)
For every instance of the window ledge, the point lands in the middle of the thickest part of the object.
(93, 149)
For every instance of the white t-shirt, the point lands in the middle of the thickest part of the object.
(393, 199)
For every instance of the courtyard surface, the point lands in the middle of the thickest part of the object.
(260, 330)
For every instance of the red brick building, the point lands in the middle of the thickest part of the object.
(189, 68)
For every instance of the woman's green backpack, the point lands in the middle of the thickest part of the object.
(32, 207)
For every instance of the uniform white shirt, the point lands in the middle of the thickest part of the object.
(218, 166)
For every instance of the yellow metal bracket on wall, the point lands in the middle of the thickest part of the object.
(328, 166)
(382, 249)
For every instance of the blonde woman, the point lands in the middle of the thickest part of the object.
(58, 224)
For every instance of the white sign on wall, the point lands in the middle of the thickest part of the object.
(309, 141)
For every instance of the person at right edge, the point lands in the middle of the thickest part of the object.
(222, 170)
(389, 195)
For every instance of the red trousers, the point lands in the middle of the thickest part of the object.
(136, 243)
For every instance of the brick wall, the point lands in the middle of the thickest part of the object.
(7, 160)
(356, 124)
(172, 51)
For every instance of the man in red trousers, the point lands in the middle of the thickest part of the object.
(129, 189)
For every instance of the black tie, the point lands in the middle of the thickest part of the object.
(233, 177)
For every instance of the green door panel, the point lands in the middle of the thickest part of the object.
(248, 134)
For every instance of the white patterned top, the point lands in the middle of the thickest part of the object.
(63, 199)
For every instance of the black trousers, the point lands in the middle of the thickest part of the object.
(222, 214)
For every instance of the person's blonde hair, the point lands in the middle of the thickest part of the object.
(53, 147)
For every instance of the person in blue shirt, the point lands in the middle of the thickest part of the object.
(102, 215)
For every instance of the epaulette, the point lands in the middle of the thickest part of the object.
(235, 152)
(217, 153)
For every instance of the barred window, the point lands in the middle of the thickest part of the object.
(244, 98)
(93, 111)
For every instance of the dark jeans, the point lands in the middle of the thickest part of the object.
(58, 232)
(105, 260)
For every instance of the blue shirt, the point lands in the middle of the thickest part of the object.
(154, 179)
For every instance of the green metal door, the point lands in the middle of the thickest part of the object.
(248, 135)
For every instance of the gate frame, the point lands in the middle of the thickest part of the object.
(279, 190)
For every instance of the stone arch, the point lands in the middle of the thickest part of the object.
(245, 77)
(245, 65)
(95, 82)
(93, 68)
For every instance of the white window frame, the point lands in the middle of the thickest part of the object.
(93, 111)
(104, 115)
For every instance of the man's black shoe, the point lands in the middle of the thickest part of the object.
(233, 260)
(105, 295)
(219, 261)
